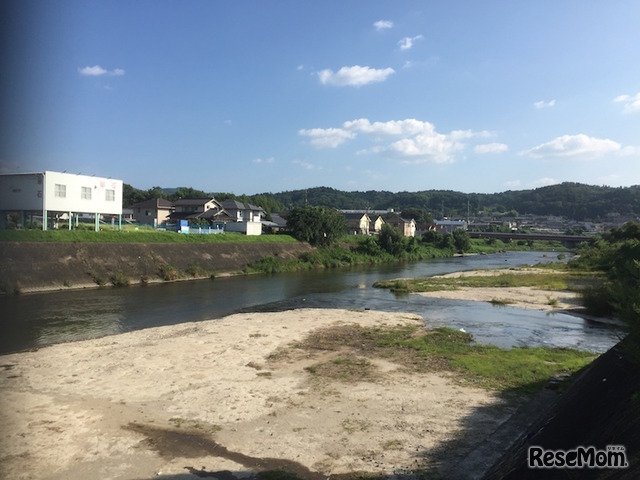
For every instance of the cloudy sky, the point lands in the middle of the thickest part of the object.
(267, 96)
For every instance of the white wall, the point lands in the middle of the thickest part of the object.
(250, 228)
(73, 200)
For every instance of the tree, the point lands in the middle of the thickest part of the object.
(316, 225)
(391, 240)
(461, 240)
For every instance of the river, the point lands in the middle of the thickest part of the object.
(36, 320)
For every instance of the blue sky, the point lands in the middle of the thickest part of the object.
(268, 96)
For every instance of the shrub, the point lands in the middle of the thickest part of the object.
(119, 279)
(168, 272)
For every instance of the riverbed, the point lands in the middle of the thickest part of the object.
(40, 319)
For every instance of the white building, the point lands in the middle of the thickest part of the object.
(53, 195)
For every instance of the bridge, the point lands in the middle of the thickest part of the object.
(567, 240)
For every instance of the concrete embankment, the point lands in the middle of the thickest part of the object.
(36, 266)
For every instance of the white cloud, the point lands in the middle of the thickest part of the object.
(630, 151)
(511, 184)
(435, 147)
(420, 142)
(263, 160)
(412, 140)
(305, 165)
(98, 71)
(383, 24)
(631, 102)
(544, 182)
(542, 104)
(327, 137)
(491, 148)
(409, 126)
(407, 42)
(94, 71)
(574, 146)
(355, 76)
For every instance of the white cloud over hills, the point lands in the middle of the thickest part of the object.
(579, 146)
(409, 140)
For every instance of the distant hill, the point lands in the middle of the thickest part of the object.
(571, 200)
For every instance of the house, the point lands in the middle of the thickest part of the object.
(152, 212)
(449, 226)
(357, 223)
(277, 224)
(198, 209)
(242, 212)
(407, 227)
(377, 224)
(48, 196)
(244, 217)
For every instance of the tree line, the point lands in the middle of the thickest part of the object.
(570, 200)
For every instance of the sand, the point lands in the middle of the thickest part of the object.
(519, 297)
(217, 399)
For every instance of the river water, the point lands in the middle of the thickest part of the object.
(35, 320)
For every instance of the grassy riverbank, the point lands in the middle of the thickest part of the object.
(134, 236)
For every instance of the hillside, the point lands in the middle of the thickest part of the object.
(571, 200)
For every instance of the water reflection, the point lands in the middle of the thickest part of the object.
(35, 320)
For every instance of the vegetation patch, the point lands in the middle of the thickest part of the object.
(119, 279)
(169, 272)
(501, 301)
(521, 370)
(544, 281)
(346, 368)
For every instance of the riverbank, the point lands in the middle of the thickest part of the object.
(232, 397)
(49, 266)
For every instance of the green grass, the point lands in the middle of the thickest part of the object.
(494, 245)
(521, 370)
(551, 280)
(134, 236)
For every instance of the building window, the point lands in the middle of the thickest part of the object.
(110, 195)
(86, 193)
(60, 191)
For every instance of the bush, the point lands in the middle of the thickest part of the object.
(119, 279)
(169, 272)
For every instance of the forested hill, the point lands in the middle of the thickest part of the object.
(571, 200)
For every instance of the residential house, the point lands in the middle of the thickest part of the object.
(276, 224)
(377, 224)
(407, 227)
(50, 196)
(357, 223)
(449, 226)
(244, 217)
(192, 209)
(152, 212)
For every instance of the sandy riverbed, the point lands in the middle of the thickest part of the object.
(205, 399)
(219, 399)
(520, 297)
